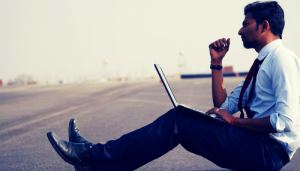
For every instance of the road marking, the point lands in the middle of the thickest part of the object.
(179, 95)
(42, 118)
(146, 101)
(203, 108)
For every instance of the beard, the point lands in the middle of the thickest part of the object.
(248, 45)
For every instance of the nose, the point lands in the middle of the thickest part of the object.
(241, 31)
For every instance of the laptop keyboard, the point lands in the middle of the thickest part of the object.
(215, 116)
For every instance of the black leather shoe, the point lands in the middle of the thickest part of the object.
(74, 134)
(71, 152)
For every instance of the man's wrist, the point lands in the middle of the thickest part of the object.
(216, 62)
(233, 120)
(217, 67)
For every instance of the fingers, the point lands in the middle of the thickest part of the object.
(227, 43)
(208, 112)
(220, 44)
(224, 42)
(215, 45)
(214, 110)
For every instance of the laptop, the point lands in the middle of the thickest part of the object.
(182, 107)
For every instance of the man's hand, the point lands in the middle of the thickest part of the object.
(224, 114)
(218, 49)
(262, 125)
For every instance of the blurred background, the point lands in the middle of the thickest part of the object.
(72, 41)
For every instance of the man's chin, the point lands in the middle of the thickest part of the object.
(247, 45)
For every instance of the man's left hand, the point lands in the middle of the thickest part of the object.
(224, 114)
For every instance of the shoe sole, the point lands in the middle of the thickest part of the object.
(59, 153)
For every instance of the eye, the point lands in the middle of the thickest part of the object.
(245, 24)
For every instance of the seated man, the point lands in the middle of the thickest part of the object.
(266, 140)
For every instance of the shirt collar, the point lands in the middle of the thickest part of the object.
(268, 48)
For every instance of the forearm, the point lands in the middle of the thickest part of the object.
(262, 125)
(218, 49)
(218, 87)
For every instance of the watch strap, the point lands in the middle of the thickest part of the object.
(218, 67)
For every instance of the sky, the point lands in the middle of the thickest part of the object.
(68, 40)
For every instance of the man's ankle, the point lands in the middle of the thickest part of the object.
(87, 156)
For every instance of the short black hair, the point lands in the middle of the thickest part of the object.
(270, 11)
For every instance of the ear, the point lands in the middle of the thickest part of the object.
(265, 26)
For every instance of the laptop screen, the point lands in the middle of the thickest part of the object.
(166, 84)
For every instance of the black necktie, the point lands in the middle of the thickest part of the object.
(252, 73)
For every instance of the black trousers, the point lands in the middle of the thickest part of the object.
(226, 146)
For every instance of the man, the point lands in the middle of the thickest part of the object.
(266, 140)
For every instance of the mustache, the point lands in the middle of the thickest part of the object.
(242, 36)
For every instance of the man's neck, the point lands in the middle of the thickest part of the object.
(265, 41)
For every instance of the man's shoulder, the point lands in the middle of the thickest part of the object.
(284, 52)
(283, 55)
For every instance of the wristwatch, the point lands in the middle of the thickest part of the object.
(218, 67)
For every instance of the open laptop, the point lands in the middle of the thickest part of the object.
(182, 107)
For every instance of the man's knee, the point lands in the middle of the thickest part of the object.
(172, 111)
(174, 114)
(170, 114)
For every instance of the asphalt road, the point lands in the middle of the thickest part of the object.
(104, 112)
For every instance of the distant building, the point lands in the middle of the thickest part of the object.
(24, 80)
(10, 83)
(228, 69)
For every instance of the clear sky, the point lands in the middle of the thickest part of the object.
(51, 39)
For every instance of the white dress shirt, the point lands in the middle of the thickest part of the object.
(276, 94)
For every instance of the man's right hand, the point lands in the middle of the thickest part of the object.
(218, 49)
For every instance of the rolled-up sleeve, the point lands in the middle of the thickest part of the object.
(285, 85)
(231, 102)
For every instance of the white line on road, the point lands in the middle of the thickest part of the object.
(146, 101)
(156, 102)
(42, 118)
(178, 95)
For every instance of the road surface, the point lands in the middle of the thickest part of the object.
(104, 112)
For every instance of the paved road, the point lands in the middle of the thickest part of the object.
(104, 112)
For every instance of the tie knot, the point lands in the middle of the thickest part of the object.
(258, 62)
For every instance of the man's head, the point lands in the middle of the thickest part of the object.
(262, 21)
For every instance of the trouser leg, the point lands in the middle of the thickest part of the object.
(137, 148)
(226, 146)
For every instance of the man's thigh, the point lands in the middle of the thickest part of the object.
(226, 146)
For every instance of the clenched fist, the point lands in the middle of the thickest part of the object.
(218, 49)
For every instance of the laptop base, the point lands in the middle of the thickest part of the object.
(189, 110)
